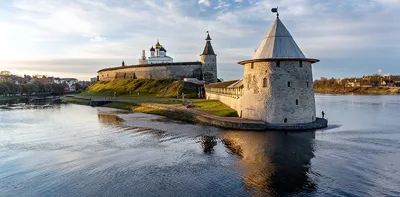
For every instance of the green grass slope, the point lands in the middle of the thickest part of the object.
(149, 87)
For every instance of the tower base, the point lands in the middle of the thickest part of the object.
(319, 123)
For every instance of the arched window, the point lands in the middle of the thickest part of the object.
(297, 101)
(285, 120)
(265, 82)
(288, 84)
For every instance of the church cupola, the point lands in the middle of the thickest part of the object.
(159, 54)
(158, 47)
(152, 51)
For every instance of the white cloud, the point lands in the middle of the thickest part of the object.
(205, 2)
(97, 39)
(79, 28)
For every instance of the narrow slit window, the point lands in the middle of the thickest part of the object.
(265, 82)
(288, 84)
(252, 65)
(308, 84)
(278, 64)
(297, 101)
(301, 64)
(285, 120)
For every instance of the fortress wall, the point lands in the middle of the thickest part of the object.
(152, 72)
(228, 96)
(232, 102)
(276, 101)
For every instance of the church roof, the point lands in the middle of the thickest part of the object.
(162, 49)
(208, 49)
(278, 43)
(152, 48)
(158, 45)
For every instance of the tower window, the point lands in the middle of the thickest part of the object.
(288, 84)
(124, 75)
(278, 64)
(308, 85)
(265, 82)
(297, 101)
(252, 65)
(301, 64)
(285, 120)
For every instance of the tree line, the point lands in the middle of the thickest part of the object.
(9, 88)
(372, 80)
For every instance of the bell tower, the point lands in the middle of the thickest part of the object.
(209, 60)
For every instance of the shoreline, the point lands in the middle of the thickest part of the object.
(359, 90)
(194, 116)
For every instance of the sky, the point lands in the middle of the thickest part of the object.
(76, 38)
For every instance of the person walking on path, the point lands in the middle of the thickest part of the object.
(323, 114)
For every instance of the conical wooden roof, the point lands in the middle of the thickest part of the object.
(278, 43)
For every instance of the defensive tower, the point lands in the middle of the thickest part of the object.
(278, 82)
(209, 60)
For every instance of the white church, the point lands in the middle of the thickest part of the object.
(158, 54)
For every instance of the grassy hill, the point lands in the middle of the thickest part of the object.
(167, 88)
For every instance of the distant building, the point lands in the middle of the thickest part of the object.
(355, 83)
(158, 54)
(70, 84)
(93, 79)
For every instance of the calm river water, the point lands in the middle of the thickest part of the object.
(73, 150)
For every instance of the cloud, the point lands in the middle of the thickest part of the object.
(97, 39)
(343, 34)
(205, 2)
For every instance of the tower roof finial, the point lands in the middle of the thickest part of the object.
(208, 36)
(275, 10)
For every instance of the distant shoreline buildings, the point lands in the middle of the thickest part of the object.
(70, 84)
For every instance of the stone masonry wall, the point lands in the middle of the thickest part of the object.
(232, 102)
(268, 97)
(152, 72)
(209, 68)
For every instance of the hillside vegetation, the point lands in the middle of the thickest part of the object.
(147, 87)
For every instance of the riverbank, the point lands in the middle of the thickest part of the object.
(198, 114)
(358, 90)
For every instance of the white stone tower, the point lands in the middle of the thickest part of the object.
(209, 60)
(278, 82)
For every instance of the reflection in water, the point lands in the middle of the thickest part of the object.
(273, 163)
(208, 143)
(109, 119)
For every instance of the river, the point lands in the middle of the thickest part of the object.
(74, 150)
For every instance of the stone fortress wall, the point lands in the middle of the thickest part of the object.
(284, 88)
(178, 70)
